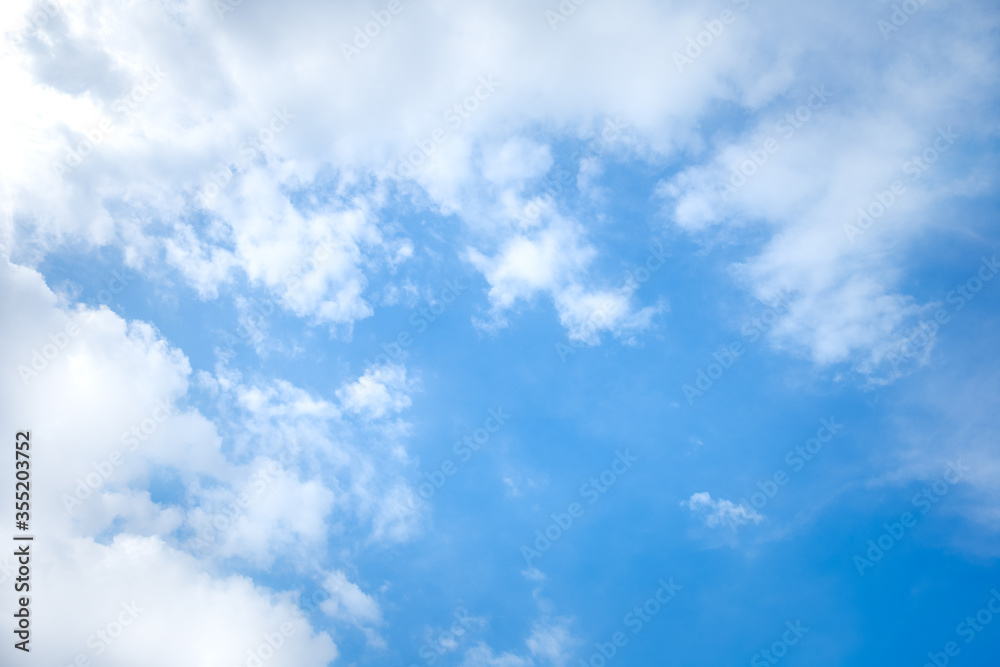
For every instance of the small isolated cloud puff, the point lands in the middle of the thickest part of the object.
(585, 314)
(381, 390)
(528, 264)
(553, 261)
(721, 511)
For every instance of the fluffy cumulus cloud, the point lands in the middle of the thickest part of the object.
(236, 170)
(381, 390)
(107, 400)
(80, 361)
(553, 261)
(135, 589)
(279, 163)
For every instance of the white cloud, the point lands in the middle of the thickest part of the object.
(517, 160)
(552, 641)
(345, 460)
(553, 261)
(347, 602)
(93, 384)
(956, 449)
(525, 265)
(99, 385)
(302, 222)
(481, 655)
(275, 502)
(585, 314)
(178, 613)
(135, 512)
(591, 169)
(380, 391)
(803, 167)
(104, 399)
(325, 173)
(721, 512)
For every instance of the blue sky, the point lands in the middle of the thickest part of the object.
(550, 394)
